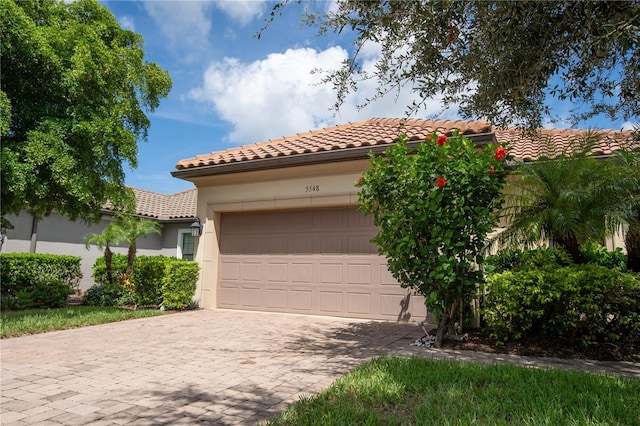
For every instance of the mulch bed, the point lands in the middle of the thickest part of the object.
(546, 346)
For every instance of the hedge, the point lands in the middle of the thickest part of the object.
(593, 253)
(584, 303)
(156, 280)
(148, 273)
(118, 263)
(39, 280)
(179, 284)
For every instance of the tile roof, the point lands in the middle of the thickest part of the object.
(368, 133)
(180, 205)
(549, 143)
(378, 132)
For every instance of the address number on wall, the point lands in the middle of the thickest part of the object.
(312, 188)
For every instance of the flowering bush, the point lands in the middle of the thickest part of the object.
(433, 207)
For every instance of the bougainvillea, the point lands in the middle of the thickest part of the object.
(433, 207)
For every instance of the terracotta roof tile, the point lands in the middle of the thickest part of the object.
(373, 132)
(181, 205)
(549, 143)
(384, 131)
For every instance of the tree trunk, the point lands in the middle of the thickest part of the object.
(570, 244)
(632, 244)
(445, 323)
(131, 255)
(34, 235)
(108, 264)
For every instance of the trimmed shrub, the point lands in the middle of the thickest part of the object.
(147, 278)
(107, 295)
(154, 280)
(38, 280)
(515, 259)
(586, 303)
(179, 284)
(598, 254)
(119, 264)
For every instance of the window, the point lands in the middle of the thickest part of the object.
(186, 244)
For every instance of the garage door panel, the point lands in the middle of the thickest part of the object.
(277, 272)
(228, 296)
(331, 302)
(277, 298)
(230, 270)
(360, 244)
(386, 279)
(302, 272)
(326, 220)
(329, 266)
(330, 273)
(278, 245)
(328, 244)
(251, 271)
(250, 296)
(301, 245)
(359, 274)
(359, 303)
(389, 304)
(302, 301)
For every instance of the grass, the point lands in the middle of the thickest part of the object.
(399, 391)
(32, 321)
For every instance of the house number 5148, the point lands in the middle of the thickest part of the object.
(312, 188)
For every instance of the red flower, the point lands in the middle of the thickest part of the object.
(441, 182)
(492, 171)
(441, 140)
(360, 179)
(501, 153)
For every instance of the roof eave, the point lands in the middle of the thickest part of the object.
(344, 154)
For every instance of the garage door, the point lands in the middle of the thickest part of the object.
(309, 261)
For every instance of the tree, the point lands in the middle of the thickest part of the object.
(570, 199)
(627, 172)
(497, 60)
(433, 207)
(130, 228)
(73, 94)
(126, 228)
(109, 237)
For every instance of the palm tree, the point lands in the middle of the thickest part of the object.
(130, 229)
(109, 236)
(628, 174)
(568, 200)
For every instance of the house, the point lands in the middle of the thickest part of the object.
(282, 231)
(58, 235)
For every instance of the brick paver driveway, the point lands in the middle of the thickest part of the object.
(208, 366)
(213, 366)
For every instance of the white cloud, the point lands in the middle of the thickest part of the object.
(278, 96)
(242, 11)
(128, 23)
(628, 125)
(186, 24)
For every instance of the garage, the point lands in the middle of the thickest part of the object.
(308, 261)
(281, 231)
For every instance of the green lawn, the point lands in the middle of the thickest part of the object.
(32, 321)
(397, 391)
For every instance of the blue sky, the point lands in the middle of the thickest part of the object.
(232, 89)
